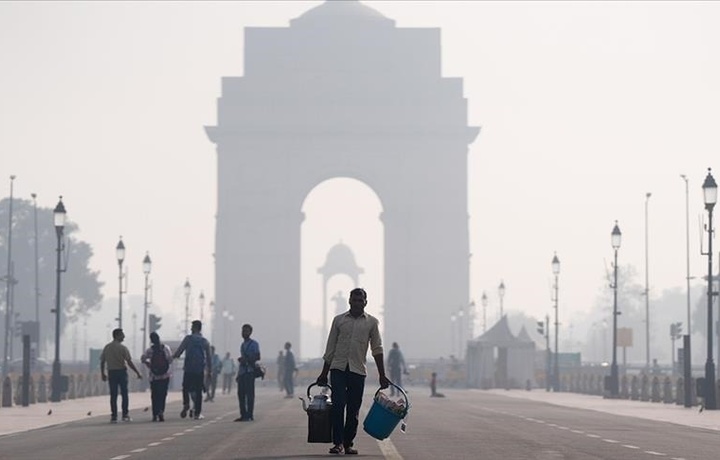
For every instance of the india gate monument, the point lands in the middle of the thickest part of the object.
(342, 93)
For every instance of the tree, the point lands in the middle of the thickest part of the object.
(80, 289)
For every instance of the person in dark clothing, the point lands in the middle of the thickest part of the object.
(396, 365)
(249, 356)
(350, 335)
(196, 372)
(159, 376)
(289, 369)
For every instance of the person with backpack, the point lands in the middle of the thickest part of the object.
(196, 371)
(249, 356)
(157, 358)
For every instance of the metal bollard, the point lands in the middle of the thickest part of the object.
(7, 392)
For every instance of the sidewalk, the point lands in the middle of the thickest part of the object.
(17, 418)
(671, 413)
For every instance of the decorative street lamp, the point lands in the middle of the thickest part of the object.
(147, 268)
(187, 289)
(120, 254)
(647, 287)
(710, 196)
(59, 215)
(484, 301)
(201, 302)
(615, 239)
(501, 293)
(556, 369)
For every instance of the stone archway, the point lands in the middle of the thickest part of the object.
(343, 92)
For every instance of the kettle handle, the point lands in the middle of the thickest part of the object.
(315, 384)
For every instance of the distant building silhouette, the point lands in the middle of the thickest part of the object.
(343, 92)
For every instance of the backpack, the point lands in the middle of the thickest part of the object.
(159, 363)
(195, 355)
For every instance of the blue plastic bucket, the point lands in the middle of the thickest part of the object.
(380, 422)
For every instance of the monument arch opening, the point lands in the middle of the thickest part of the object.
(341, 248)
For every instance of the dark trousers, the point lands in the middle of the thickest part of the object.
(192, 388)
(347, 390)
(227, 383)
(213, 386)
(118, 378)
(246, 394)
(158, 394)
(289, 383)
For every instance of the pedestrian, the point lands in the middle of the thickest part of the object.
(289, 370)
(196, 370)
(117, 357)
(396, 365)
(158, 358)
(350, 335)
(249, 356)
(216, 368)
(433, 387)
(281, 371)
(228, 372)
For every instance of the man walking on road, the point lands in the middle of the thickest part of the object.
(116, 355)
(198, 362)
(350, 335)
(249, 356)
(228, 372)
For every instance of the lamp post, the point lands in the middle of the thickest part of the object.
(501, 293)
(461, 331)
(710, 197)
(201, 302)
(59, 215)
(212, 316)
(647, 288)
(615, 239)
(37, 270)
(187, 289)
(9, 280)
(452, 333)
(120, 254)
(147, 268)
(686, 341)
(556, 368)
(484, 301)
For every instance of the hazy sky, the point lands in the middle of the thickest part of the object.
(584, 107)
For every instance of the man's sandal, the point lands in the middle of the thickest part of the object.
(336, 450)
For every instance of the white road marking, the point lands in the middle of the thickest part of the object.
(388, 450)
(611, 441)
(592, 435)
(563, 427)
(189, 430)
(630, 446)
(650, 452)
(167, 439)
(120, 457)
(153, 444)
(142, 449)
(178, 434)
(577, 431)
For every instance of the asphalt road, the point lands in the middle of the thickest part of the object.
(467, 424)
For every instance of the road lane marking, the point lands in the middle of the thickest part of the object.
(563, 427)
(178, 434)
(167, 439)
(611, 441)
(577, 431)
(153, 444)
(142, 449)
(388, 450)
(651, 452)
(592, 435)
(120, 457)
(630, 446)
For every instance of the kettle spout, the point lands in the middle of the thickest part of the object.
(304, 404)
